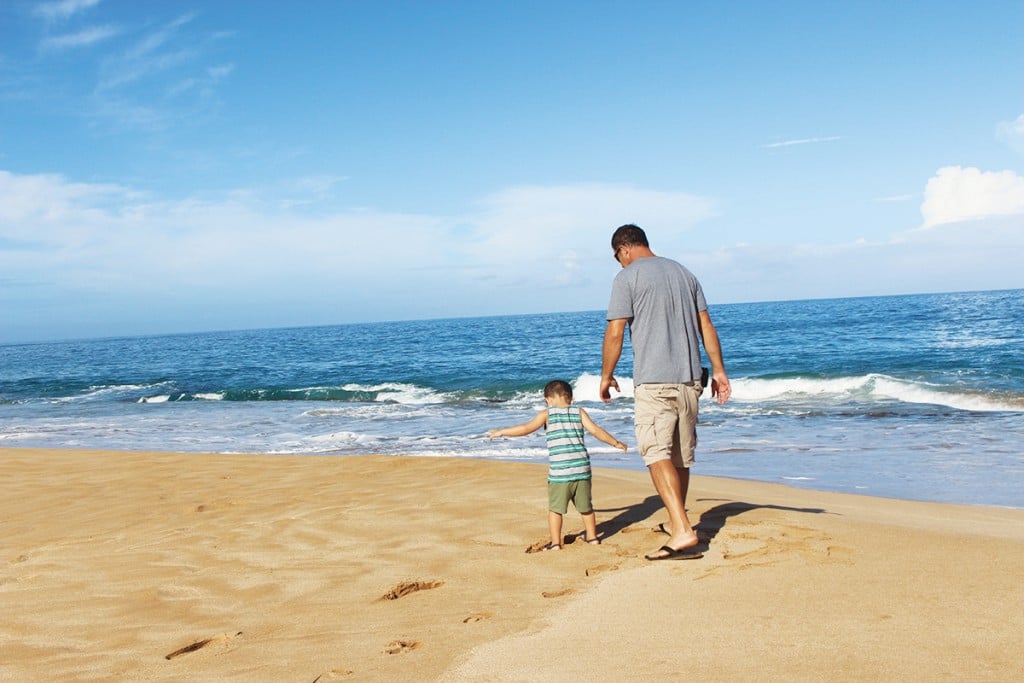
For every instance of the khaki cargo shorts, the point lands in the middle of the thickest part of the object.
(666, 422)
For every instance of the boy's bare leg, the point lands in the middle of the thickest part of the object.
(555, 527)
(669, 485)
(589, 526)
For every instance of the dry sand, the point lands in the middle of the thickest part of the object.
(170, 567)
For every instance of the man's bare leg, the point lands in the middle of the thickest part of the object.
(684, 482)
(672, 488)
(684, 485)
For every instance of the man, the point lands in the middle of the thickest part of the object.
(664, 306)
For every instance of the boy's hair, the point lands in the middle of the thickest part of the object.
(629, 235)
(557, 387)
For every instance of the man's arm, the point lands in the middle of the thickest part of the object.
(611, 351)
(709, 335)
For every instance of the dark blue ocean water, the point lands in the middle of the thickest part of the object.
(917, 397)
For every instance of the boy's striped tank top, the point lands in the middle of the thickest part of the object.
(567, 456)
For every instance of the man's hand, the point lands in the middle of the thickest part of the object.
(720, 388)
(611, 349)
(607, 383)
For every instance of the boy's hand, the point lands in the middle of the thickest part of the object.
(621, 446)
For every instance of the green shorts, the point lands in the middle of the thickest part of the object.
(666, 422)
(559, 495)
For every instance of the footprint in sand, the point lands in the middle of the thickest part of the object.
(558, 594)
(397, 646)
(773, 543)
(333, 674)
(221, 504)
(541, 546)
(601, 569)
(175, 592)
(220, 638)
(407, 587)
(479, 616)
(838, 553)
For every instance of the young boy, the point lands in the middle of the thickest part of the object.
(569, 464)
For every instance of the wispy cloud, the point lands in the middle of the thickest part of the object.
(58, 11)
(84, 38)
(221, 71)
(146, 57)
(204, 85)
(802, 141)
(1012, 133)
(160, 77)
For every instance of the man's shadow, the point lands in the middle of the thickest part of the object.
(712, 520)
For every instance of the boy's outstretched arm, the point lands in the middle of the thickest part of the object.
(538, 421)
(600, 433)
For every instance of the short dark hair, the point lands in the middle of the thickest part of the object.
(629, 235)
(557, 387)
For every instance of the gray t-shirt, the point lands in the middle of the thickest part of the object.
(662, 299)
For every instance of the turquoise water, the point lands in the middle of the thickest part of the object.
(918, 397)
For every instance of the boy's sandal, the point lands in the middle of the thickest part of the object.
(592, 541)
(552, 546)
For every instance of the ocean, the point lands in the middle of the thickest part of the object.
(918, 397)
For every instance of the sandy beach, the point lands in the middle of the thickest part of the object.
(172, 567)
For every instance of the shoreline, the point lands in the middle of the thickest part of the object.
(290, 567)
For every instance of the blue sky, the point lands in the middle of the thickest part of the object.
(184, 166)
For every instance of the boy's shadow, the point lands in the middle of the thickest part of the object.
(711, 521)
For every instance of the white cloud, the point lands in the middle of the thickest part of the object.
(174, 59)
(96, 236)
(554, 234)
(520, 220)
(957, 194)
(203, 85)
(1012, 133)
(525, 248)
(29, 202)
(151, 55)
(802, 141)
(54, 11)
(219, 72)
(84, 38)
(84, 250)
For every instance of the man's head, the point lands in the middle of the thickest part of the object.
(626, 237)
(557, 389)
